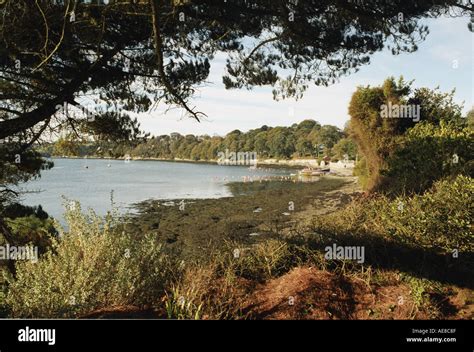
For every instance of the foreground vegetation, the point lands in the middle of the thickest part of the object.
(411, 255)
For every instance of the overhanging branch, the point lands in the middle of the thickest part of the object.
(156, 6)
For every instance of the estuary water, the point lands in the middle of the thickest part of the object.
(93, 182)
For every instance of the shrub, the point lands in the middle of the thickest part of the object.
(362, 172)
(4, 309)
(91, 266)
(32, 230)
(427, 154)
(439, 219)
(216, 289)
(376, 137)
(262, 261)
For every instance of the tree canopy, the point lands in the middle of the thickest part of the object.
(402, 154)
(136, 53)
(306, 139)
(130, 56)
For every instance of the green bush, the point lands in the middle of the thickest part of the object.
(403, 155)
(376, 137)
(427, 154)
(362, 172)
(27, 230)
(204, 292)
(439, 219)
(91, 266)
(4, 309)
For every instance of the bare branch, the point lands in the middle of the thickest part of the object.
(156, 6)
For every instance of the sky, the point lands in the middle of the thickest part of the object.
(444, 59)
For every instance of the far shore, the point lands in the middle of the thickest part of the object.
(273, 163)
(177, 160)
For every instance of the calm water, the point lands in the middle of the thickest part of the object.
(91, 182)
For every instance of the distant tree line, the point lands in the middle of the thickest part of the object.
(308, 139)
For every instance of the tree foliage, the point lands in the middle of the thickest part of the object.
(300, 140)
(137, 53)
(403, 155)
(134, 55)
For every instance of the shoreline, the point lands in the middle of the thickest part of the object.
(255, 212)
(295, 164)
(277, 164)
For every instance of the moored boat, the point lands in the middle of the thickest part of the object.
(309, 171)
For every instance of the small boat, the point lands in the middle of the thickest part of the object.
(309, 171)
